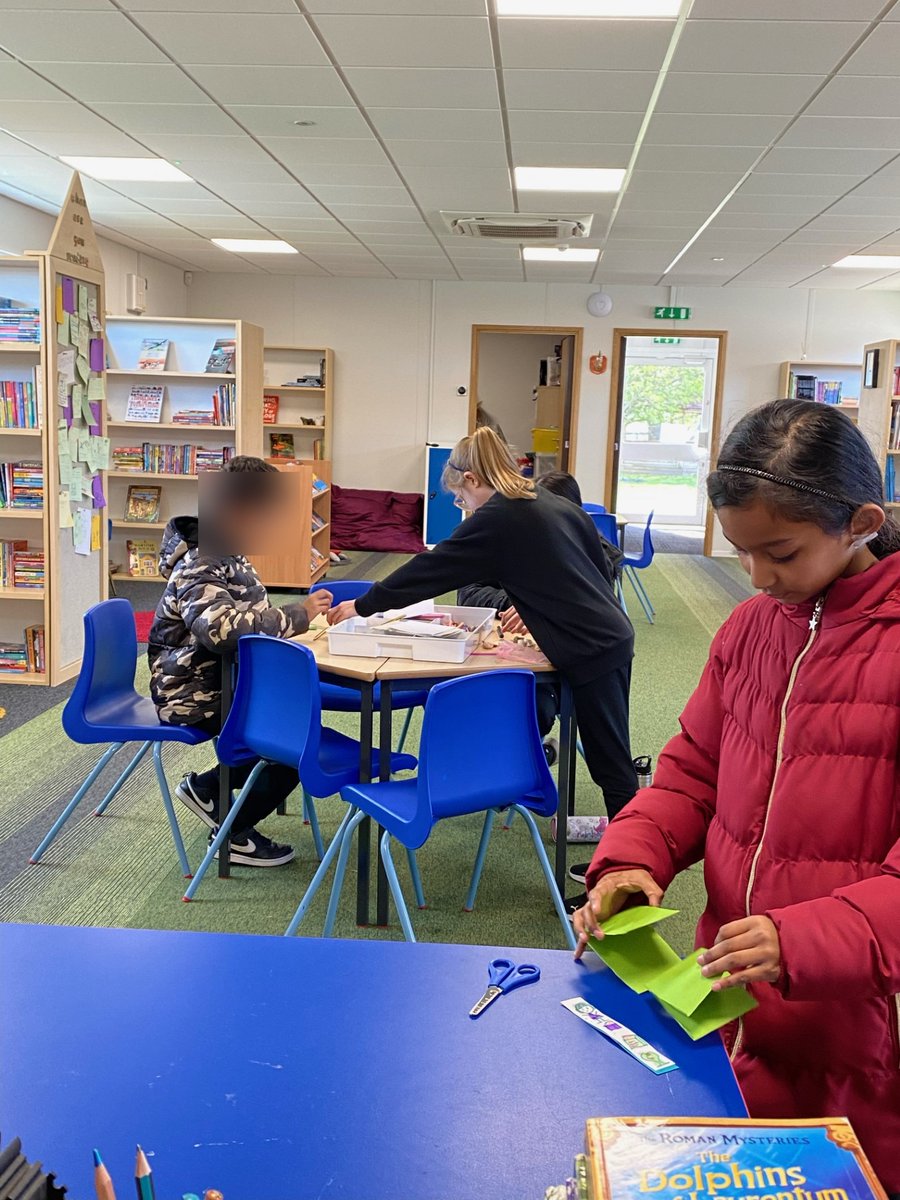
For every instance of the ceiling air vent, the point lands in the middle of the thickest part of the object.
(519, 227)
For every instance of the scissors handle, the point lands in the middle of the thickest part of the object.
(500, 969)
(523, 974)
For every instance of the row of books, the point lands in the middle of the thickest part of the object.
(168, 459)
(318, 522)
(22, 485)
(316, 559)
(27, 656)
(19, 405)
(21, 566)
(145, 403)
(809, 387)
(896, 392)
(154, 355)
(18, 322)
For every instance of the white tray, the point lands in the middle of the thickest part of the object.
(360, 638)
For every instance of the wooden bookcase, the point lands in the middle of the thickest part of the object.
(284, 363)
(847, 374)
(878, 404)
(293, 568)
(187, 385)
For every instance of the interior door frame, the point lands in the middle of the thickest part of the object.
(573, 331)
(616, 388)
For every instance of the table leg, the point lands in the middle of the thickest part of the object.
(566, 778)
(366, 701)
(385, 735)
(224, 803)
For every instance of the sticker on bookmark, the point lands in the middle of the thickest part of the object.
(653, 1059)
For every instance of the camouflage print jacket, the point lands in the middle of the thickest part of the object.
(208, 604)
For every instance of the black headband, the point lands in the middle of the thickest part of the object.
(791, 483)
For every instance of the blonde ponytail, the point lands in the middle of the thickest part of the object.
(485, 456)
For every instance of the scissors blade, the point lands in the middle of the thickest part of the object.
(488, 998)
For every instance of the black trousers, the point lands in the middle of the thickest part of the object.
(275, 784)
(601, 707)
(547, 701)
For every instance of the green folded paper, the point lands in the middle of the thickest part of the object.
(636, 918)
(718, 1009)
(639, 958)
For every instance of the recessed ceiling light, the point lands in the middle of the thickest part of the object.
(151, 170)
(547, 254)
(304, 124)
(254, 246)
(871, 262)
(718, 260)
(620, 9)
(569, 179)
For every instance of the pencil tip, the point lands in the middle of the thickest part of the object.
(98, 1161)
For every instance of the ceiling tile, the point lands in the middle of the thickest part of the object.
(363, 227)
(681, 185)
(218, 7)
(800, 161)
(242, 38)
(417, 41)
(857, 96)
(670, 129)
(330, 195)
(424, 87)
(849, 132)
(278, 120)
(799, 185)
(547, 126)
(297, 153)
(729, 159)
(576, 91)
(582, 45)
(286, 192)
(753, 47)
(712, 92)
(142, 119)
(100, 139)
(571, 154)
(351, 175)
(230, 153)
(469, 124)
(799, 206)
(125, 82)
(62, 5)
(884, 183)
(729, 219)
(878, 53)
(90, 37)
(18, 82)
(797, 10)
(868, 206)
(351, 213)
(450, 8)
(274, 85)
(412, 153)
(860, 226)
(11, 147)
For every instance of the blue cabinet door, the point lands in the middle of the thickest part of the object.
(441, 514)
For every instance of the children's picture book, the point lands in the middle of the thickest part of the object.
(281, 445)
(143, 557)
(270, 409)
(154, 352)
(221, 359)
(707, 1157)
(144, 403)
(142, 503)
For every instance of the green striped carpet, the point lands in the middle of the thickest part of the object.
(120, 869)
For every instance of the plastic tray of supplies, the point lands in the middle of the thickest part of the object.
(416, 633)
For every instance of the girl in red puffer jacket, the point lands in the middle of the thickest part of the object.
(784, 781)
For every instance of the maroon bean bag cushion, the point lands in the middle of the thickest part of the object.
(372, 520)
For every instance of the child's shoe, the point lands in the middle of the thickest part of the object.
(200, 803)
(551, 750)
(253, 849)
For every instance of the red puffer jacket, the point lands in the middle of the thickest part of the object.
(784, 780)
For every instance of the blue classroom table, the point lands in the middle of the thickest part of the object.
(299, 1069)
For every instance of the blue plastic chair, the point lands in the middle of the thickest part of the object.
(502, 765)
(592, 508)
(276, 716)
(104, 707)
(630, 568)
(343, 699)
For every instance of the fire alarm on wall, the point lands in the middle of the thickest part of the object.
(135, 294)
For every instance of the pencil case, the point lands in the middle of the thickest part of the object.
(582, 829)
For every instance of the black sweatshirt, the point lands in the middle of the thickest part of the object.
(547, 556)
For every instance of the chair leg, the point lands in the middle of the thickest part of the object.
(489, 818)
(170, 810)
(339, 872)
(312, 820)
(642, 596)
(396, 892)
(641, 590)
(620, 593)
(321, 872)
(121, 781)
(405, 730)
(549, 876)
(112, 750)
(223, 831)
(508, 817)
(416, 878)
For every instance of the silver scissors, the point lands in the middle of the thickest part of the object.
(504, 976)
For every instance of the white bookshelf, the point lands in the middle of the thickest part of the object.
(878, 405)
(299, 405)
(186, 386)
(847, 374)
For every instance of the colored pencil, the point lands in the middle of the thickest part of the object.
(143, 1177)
(103, 1184)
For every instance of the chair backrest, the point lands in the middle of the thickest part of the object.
(344, 589)
(480, 747)
(606, 526)
(276, 712)
(590, 507)
(646, 555)
(105, 683)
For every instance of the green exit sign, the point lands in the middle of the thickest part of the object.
(667, 341)
(664, 313)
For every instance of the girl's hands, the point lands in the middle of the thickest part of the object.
(748, 949)
(608, 897)
(511, 622)
(317, 602)
(342, 612)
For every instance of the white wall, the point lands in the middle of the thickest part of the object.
(23, 228)
(508, 372)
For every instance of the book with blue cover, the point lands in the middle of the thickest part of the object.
(705, 1158)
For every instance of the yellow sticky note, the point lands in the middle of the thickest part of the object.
(59, 304)
(95, 530)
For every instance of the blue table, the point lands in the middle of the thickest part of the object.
(292, 1069)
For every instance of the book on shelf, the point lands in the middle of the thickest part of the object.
(22, 485)
(815, 1159)
(221, 358)
(154, 354)
(316, 559)
(19, 405)
(19, 322)
(151, 458)
(270, 409)
(142, 502)
(145, 403)
(281, 445)
(895, 393)
(9, 548)
(318, 522)
(14, 657)
(828, 391)
(143, 557)
(318, 449)
(805, 387)
(223, 404)
(318, 485)
(28, 569)
(34, 648)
